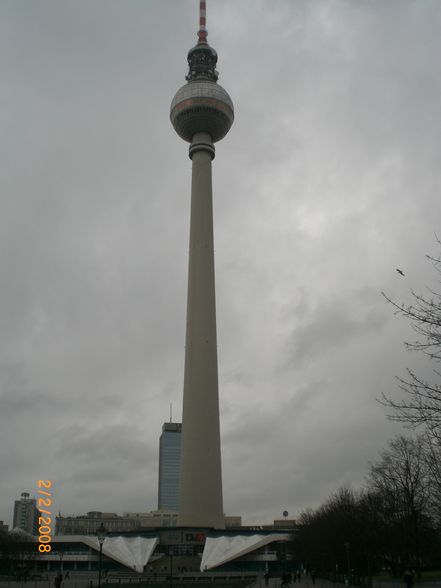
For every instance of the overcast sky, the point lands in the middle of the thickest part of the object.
(327, 182)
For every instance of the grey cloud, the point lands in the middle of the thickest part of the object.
(116, 443)
(333, 325)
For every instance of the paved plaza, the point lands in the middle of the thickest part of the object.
(90, 580)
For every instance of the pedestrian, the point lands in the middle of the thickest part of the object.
(408, 578)
(313, 576)
(58, 580)
(67, 575)
(266, 577)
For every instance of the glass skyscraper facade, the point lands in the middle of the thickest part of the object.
(169, 466)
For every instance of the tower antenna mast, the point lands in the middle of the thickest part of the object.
(202, 32)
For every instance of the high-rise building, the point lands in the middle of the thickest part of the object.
(26, 514)
(169, 466)
(201, 113)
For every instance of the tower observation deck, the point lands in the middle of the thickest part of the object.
(201, 113)
(202, 105)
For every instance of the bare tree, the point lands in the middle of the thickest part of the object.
(402, 479)
(341, 538)
(422, 402)
(394, 521)
(433, 461)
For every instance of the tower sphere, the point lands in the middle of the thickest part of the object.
(202, 106)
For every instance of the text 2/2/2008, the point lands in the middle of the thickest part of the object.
(44, 522)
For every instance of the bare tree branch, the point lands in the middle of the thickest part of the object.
(421, 404)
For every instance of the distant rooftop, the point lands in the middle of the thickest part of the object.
(172, 427)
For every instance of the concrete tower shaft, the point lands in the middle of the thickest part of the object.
(201, 113)
(201, 476)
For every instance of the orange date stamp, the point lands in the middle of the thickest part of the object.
(44, 522)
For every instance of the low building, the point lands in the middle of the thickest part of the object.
(3, 527)
(88, 524)
(232, 522)
(182, 551)
(130, 521)
(284, 523)
(154, 518)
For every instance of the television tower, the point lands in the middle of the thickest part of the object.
(201, 113)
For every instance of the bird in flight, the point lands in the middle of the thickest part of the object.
(400, 272)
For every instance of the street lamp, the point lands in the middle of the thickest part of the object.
(101, 534)
(348, 561)
(171, 565)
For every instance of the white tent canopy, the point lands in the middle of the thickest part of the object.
(220, 550)
(132, 552)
